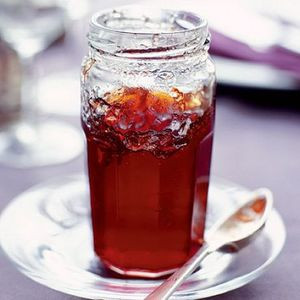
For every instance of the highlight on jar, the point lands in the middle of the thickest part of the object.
(147, 93)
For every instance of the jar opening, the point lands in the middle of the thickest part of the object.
(138, 28)
(141, 20)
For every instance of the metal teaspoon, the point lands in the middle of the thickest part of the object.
(238, 229)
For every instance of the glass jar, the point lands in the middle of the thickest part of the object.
(147, 89)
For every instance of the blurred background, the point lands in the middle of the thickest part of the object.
(256, 47)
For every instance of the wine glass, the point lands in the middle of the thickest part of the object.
(68, 87)
(29, 27)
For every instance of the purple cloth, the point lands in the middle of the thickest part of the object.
(276, 56)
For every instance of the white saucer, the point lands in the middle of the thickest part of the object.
(46, 233)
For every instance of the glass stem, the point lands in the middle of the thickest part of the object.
(26, 132)
(28, 90)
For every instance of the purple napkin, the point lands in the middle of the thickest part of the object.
(275, 56)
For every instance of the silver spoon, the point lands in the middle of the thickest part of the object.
(237, 228)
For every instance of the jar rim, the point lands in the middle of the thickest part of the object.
(181, 18)
(142, 31)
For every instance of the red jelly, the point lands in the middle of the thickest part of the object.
(148, 161)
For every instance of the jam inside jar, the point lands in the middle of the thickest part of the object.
(148, 116)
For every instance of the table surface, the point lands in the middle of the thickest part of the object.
(255, 145)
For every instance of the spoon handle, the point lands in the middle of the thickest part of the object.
(166, 289)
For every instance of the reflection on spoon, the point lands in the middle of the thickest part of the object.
(238, 229)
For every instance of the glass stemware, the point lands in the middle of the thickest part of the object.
(29, 27)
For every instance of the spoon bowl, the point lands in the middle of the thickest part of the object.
(241, 226)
